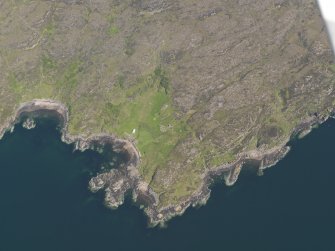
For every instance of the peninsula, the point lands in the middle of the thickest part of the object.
(188, 90)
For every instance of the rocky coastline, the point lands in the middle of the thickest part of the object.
(126, 178)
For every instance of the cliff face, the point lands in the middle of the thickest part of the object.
(195, 87)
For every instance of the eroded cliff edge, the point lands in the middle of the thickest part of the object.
(199, 87)
(126, 178)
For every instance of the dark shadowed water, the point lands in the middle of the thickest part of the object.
(45, 203)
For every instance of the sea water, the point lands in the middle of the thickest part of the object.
(45, 203)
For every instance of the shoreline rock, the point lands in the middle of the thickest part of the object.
(119, 181)
(29, 124)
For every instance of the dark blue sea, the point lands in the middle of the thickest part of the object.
(45, 203)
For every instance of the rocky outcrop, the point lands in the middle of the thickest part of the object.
(126, 178)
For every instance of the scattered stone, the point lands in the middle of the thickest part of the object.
(29, 124)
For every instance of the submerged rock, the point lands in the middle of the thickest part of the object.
(29, 123)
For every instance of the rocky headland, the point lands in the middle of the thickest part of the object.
(125, 178)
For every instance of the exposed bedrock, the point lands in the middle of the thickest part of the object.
(126, 179)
